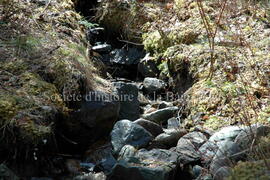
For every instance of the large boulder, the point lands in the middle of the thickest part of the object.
(218, 139)
(150, 126)
(157, 164)
(188, 146)
(161, 115)
(94, 120)
(128, 98)
(126, 132)
(152, 85)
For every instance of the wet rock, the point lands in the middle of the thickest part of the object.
(156, 164)
(128, 56)
(152, 85)
(170, 137)
(161, 115)
(188, 146)
(102, 48)
(93, 120)
(222, 173)
(6, 173)
(129, 103)
(126, 132)
(246, 137)
(173, 123)
(150, 126)
(91, 176)
(147, 67)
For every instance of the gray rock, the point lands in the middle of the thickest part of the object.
(205, 177)
(41, 178)
(188, 146)
(173, 123)
(226, 134)
(91, 176)
(170, 137)
(126, 57)
(161, 115)
(227, 150)
(126, 132)
(222, 173)
(216, 164)
(246, 137)
(152, 85)
(156, 164)
(147, 67)
(93, 121)
(150, 126)
(209, 149)
(127, 152)
(102, 48)
(129, 103)
(6, 173)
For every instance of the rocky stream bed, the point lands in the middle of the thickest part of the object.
(138, 130)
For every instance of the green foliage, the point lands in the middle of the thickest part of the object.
(88, 24)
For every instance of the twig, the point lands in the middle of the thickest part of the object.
(129, 42)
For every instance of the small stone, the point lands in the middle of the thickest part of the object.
(102, 48)
(152, 85)
(161, 115)
(173, 123)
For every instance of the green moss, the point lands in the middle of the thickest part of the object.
(250, 171)
(7, 107)
(215, 123)
(155, 42)
(15, 67)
